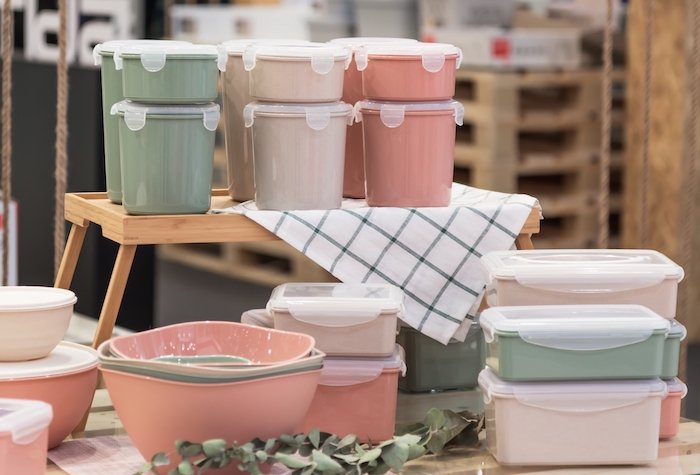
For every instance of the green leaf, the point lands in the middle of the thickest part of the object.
(409, 439)
(160, 459)
(435, 419)
(326, 464)
(395, 455)
(185, 468)
(360, 451)
(204, 467)
(270, 444)
(288, 439)
(347, 440)
(189, 450)
(306, 449)
(291, 462)
(315, 437)
(214, 447)
(410, 428)
(369, 443)
(347, 458)
(309, 470)
(261, 455)
(437, 441)
(146, 468)
(380, 469)
(370, 455)
(300, 439)
(415, 451)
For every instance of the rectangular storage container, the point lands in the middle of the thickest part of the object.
(568, 277)
(345, 319)
(672, 349)
(572, 423)
(434, 367)
(671, 408)
(357, 396)
(24, 435)
(573, 342)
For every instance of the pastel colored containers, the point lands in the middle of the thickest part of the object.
(408, 72)
(409, 151)
(167, 156)
(356, 396)
(576, 342)
(671, 408)
(298, 154)
(572, 423)
(672, 348)
(358, 320)
(24, 432)
(590, 276)
(305, 73)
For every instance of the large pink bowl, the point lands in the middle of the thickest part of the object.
(259, 345)
(156, 413)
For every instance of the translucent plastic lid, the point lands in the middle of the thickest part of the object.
(336, 304)
(65, 358)
(237, 47)
(355, 43)
(572, 396)
(24, 419)
(153, 56)
(351, 371)
(109, 47)
(432, 54)
(18, 299)
(393, 113)
(582, 270)
(322, 55)
(318, 116)
(676, 386)
(677, 330)
(258, 317)
(135, 114)
(574, 327)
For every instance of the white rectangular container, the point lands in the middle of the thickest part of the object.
(24, 432)
(583, 277)
(345, 319)
(572, 423)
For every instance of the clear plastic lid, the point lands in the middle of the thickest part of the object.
(258, 317)
(393, 113)
(574, 327)
(65, 358)
(322, 55)
(572, 396)
(676, 386)
(135, 114)
(25, 299)
(110, 47)
(24, 419)
(677, 330)
(433, 54)
(237, 47)
(153, 56)
(582, 270)
(336, 304)
(351, 371)
(359, 42)
(318, 116)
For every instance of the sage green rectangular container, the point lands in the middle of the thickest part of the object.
(672, 348)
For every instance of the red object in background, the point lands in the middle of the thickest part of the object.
(428, 38)
(501, 48)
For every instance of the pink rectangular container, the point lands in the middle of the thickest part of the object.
(409, 151)
(357, 396)
(671, 408)
(24, 436)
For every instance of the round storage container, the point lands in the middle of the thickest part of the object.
(421, 72)
(354, 177)
(112, 93)
(671, 408)
(236, 95)
(305, 73)
(298, 154)
(409, 151)
(169, 74)
(167, 157)
(24, 434)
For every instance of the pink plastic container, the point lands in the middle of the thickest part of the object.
(671, 408)
(357, 396)
(409, 151)
(420, 72)
(24, 434)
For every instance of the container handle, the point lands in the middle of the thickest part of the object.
(590, 283)
(358, 112)
(392, 115)
(211, 119)
(318, 118)
(361, 58)
(433, 62)
(322, 63)
(342, 375)
(222, 58)
(153, 61)
(96, 54)
(135, 120)
(459, 113)
(250, 57)
(117, 56)
(249, 115)
(324, 317)
(584, 341)
(584, 402)
(460, 55)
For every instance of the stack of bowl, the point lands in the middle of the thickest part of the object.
(203, 380)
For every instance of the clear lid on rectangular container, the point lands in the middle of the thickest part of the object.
(677, 330)
(154, 56)
(676, 386)
(24, 419)
(135, 113)
(351, 371)
(572, 396)
(432, 54)
(321, 55)
(110, 47)
(574, 327)
(393, 113)
(336, 304)
(581, 270)
(318, 115)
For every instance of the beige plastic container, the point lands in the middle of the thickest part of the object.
(24, 432)
(583, 277)
(305, 73)
(572, 423)
(344, 319)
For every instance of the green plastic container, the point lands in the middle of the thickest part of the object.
(112, 93)
(177, 74)
(167, 155)
(574, 342)
(433, 366)
(672, 348)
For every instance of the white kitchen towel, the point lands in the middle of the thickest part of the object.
(102, 455)
(431, 253)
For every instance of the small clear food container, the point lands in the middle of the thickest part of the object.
(671, 408)
(672, 349)
(574, 342)
(572, 423)
(345, 319)
(567, 277)
(357, 396)
(24, 433)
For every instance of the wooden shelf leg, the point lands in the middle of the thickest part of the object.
(524, 243)
(64, 277)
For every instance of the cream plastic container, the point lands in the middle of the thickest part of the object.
(583, 277)
(357, 396)
(344, 319)
(572, 423)
(671, 408)
(298, 153)
(312, 72)
(236, 95)
(24, 433)
(407, 72)
(409, 151)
